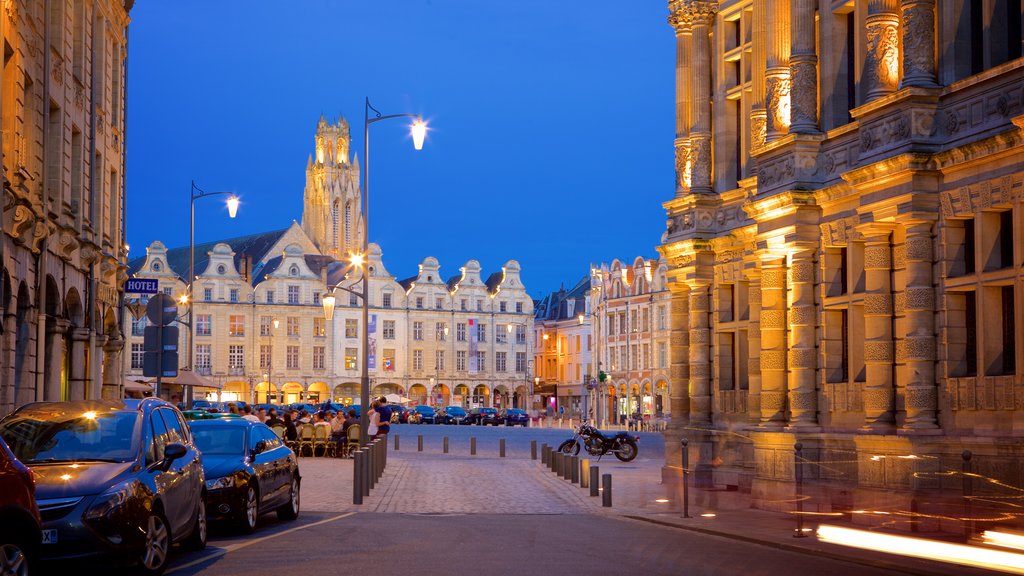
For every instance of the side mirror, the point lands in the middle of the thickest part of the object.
(260, 448)
(172, 452)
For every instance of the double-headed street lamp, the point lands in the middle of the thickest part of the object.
(232, 204)
(418, 129)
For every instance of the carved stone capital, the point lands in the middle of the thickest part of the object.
(685, 14)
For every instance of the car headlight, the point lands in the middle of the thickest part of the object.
(220, 483)
(109, 501)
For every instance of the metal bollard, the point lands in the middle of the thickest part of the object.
(557, 469)
(606, 493)
(566, 466)
(472, 446)
(595, 476)
(371, 470)
(533, 449)
(396, 441)
(544, 453)
(501, 448)
(574, 474)
(383, 460)
(585, 473)
(686, 479)
(357, 477)
(968, 489)
(445, 444)
(364, 471)
(798, 474)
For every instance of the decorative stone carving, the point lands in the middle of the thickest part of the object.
(683, 166)
(878, 304)
(952, 122)
(876, 256)
(777, 100)
(918, 42)
(700, 161)
(758, 127)
(804, 109)
(773, 360)
(915, 348)
(773, 401)
(920, 299)
(880, 352)
(802, 357)
(877, 399)
(67, 244)
(776, 172)
(773, 319)
(802, 315)
(802, 271)
(57, 71)
(773, 278)
(23, 219)
(919, 248)
(79, 97)
(882, 55)
(803, 400)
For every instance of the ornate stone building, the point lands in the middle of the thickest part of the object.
(261, 331)
(563, 347)
(62, 250)
(848, 222)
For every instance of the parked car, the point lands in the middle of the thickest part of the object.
(399, 414)
(113, 477)
(483, 416)
(425, 413)
(249, 471)
(203, 404)
(451, 415)
(514, 417)
(20, 534)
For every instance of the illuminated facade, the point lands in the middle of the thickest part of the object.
(62, 250)
(845, 243)
(563, 351)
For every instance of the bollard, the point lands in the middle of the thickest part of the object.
(371, 470)
(533, 449)
(557, 469)
(501, 448)
(585, 473)
(472, 446)
(686, 479)
(798, 474)
(419, 443)
(357, 477)
(595, 475)
(364, 471)
(544, 454)
(968, 490)
(606, 493)
(566, 466)
(396, 441)
(382, 462)
(574, 474)
(445, 444)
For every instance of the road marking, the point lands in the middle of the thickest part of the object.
(238, 546)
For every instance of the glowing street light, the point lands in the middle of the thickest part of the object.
(419, 132)
(232, 206)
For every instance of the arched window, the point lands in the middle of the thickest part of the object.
(221, 269)
(335, 221)
(293, 271)
(157, 266)
(348, 223)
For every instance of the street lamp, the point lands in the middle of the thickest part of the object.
(232, 203)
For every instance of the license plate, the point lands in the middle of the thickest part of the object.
(50, 536)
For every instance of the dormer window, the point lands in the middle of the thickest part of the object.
(293, 271)
(221, 269)
(430, 278)
(157, 266)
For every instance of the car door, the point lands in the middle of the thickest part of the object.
(180, 478)
(282, 459)
(263, 467)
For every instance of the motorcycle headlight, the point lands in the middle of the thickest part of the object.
(220, 483)
(109, 501)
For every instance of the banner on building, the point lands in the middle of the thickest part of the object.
(472, 346)
(371, 355)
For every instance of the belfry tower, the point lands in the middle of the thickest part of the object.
(333, 200)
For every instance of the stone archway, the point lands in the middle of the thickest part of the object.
(481, 396)
(346, 393)
(318, 392)
(385, 389)
(24, 330)
(661, 398)
(460, 395)
(501, 398)
(266, 393)
(55, 364)
(418, 394)
(519, 399)
(77, 344)
(291, 393)
(235, 390)
(440, 395)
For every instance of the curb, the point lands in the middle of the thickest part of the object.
(880, 564)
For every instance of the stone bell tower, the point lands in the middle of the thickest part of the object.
(332, 204)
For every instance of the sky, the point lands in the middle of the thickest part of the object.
(551, 124)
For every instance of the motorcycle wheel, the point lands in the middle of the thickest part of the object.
(570, 447)
(627, 450)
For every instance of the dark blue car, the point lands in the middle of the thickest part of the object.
(426, 414)
(514, 417)
(451, 415)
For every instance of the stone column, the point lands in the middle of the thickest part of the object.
(803, 351)
(702, 16)
(803, 67)
(55, 351)
(917, 347)
(679, 351)
(777, 79)
(8, 340)
(754, 346)
(78, 364)
(112, 380)
(700, 354)
(918, 33)
(882, 57)
(758, 114)
(680, 22)
(878, 347)
(773, 343)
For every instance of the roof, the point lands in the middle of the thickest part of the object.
(453, 282)
(493, 281)
(253, 245)
(407, 283)
(555, 306)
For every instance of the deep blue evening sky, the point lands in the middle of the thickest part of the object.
(552, 123)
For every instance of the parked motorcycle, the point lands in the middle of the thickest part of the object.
(598, 443)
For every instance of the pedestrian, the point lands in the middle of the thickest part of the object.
(248, 415)
(373, 417)
(291, 434)
(384, 416)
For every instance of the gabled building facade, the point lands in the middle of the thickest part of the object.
(565, 376)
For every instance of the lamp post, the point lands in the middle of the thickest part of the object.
(418, 130)
(232, 203)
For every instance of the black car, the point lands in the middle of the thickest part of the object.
(426, 414)
(249, 471)
(113, 478)
(451, 415)
(483, 416)
(514, 417)
(20, 535)
(399, 414)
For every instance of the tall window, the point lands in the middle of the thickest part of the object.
(481, 333)
(335, 221)
(293, 294)
(292, 326)
(481, 361)
(1009, 328)
(292, 358)
(385, 299)
(319, 328)
(202, 358)
(266, 326)
(351, 328)
(236, 359)
(417, 359)
(139, 326)
(439, 360)
(520, 334)
(971, 328)
(460, 331)
(236, 325)
(350, 359)
(138, 353)
(269, 296)
(419, 302)
(499, 361)
(353, 300)
(203, 324)
(266, 355)
(520, 361)
(501, 334)
(318, 357)
(660, 311)
(233, 295)
(417, 330)
(460, 360)
(519, 307)
(662, 355)
(388, 330)
(439, 331)
(207, 294)
(439, 303)
(503, 306)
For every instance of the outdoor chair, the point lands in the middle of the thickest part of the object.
(278, 430)
(305, 439)
(352, 438)
(322, 439)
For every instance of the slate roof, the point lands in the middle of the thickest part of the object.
(407, 283)
(555, 305)
(253, 245)
(493, 281)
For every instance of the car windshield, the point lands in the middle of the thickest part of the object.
(456, 411)
(220, 440)
(424, 409)
(515, 411)
(489, 410)
(43, 435)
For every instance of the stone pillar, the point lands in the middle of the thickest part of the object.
(803, 67)
(777, 79)
(684, 38)
(25, 337)
(918, 33)
(112, 380)
(702, 16)
(78, 364)
(917, 346)
(878, 347)
(700, 354)
(8, 339)
(56, 348)
(758, 114)
(679, 352)
(803, 351)
(754, 346)
(882, 57)
(773, 343)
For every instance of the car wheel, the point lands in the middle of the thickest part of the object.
(157, 549)
(290, 511)
(250, 510)
(197, 540)
(13, 559)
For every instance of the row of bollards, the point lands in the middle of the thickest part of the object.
(472, 446)
(368, 466)
(578, 471)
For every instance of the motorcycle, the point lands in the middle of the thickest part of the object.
(597, 443)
